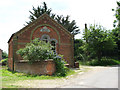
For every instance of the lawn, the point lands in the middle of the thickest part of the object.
(9, 77)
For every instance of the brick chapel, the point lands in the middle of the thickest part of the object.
(47, 30)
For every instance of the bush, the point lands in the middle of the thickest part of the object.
(4, 55)
(39, 50)
(104, 62)
(61, 70)
(36, 50)
(4, 61)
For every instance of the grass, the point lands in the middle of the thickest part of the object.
(9, 77)
(104, 62)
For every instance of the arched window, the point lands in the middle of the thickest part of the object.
(45, 38)
(52, 41)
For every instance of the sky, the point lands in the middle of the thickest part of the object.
(14, 14)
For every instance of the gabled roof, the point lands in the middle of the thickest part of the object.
(33, 22)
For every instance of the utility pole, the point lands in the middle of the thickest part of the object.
(86, 40)
(86, 33)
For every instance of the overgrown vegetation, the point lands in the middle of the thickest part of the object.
(4, 58)
(4, 61)
(38, 51)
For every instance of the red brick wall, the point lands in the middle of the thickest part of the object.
(39, 68)
(10, 55)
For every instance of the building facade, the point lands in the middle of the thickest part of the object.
(46, 29)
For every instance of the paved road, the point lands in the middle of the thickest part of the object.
(102, 78)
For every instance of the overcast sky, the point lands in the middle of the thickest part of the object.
(14, 13)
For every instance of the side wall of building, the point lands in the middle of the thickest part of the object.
(10, 55)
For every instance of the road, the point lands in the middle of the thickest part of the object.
(93, 77)
(104, 77)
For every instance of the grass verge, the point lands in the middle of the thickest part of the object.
(9, 77)
(103, 62)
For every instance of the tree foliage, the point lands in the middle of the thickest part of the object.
(39, 11)
(117, 14)
(99, 40)
(78, 48)
(4, 55)
(64, 21)
(116, 31)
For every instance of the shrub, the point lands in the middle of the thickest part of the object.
(4, 61)
(61, 70)
(4, 55)
(104, 62)
(36, 50)
(39, 50)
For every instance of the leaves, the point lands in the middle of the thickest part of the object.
(117, 15)
(4, 55)
(69, 25)
(64, 21)
(99, 40)
(36, 50)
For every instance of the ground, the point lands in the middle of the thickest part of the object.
(86, 77)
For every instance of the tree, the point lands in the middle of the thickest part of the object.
(39, 11)
(4, 55)
(117, 15)
(78, 43)
(64, 21)
(69, 25)
(99, 40)
(116, 24)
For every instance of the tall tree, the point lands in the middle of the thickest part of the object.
(117, 15)
(64, 21)
(99, 40)
(39, 11)
(116, 24)
(69, 25)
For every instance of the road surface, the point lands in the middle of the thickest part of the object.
(105, 77)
